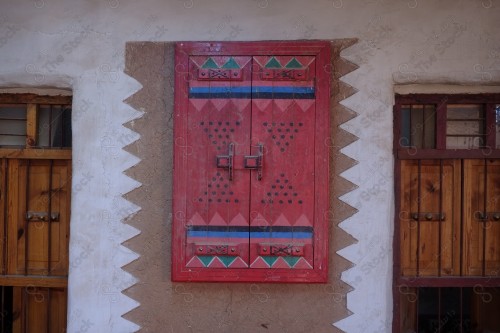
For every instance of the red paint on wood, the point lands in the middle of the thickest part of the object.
(293, 189)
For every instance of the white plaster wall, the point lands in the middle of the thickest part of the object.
(80, 45)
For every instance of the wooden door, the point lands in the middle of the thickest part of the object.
(430, 217)
(481, 214)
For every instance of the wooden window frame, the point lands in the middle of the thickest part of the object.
(440, 153)
(30, 151)
(319, 274)
(441, 101)
(35, 292)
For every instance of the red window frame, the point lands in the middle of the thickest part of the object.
(319, 273)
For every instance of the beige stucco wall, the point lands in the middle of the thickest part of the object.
(80, 45)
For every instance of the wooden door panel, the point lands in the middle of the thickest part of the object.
(41, 310)
(219, 126)
(29, 194)
(429, 204)
(282, 202)
(481, 233)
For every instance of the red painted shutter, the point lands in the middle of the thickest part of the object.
(282, 202)
(251, 162)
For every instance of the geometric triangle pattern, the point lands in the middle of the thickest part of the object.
(224, 62)
(217, 262)
(231, 64)
(293, 63)
(273, 63)
(206, 260)
(284, 62)
(281, 262)
(270, 260)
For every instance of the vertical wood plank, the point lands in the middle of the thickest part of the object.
(31, 125)
(15, 228)
(429, 251)
(3, 215)
(408, 310)
(18, 310)
(474, 226)
(57, 310)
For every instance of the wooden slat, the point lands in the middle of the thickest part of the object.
(408, 309)
(34, 281)
(414, 153)
(57, 310)
(475, 238)
(33, 98)
(449, 281)
(448, 98)
(435, 256)
(3, 215)
(14, 231)
(18, 300)
(31, 125)
(53, 154)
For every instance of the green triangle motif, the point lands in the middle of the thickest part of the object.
(210, 63)
(294, 63)
(270, 260)
(231, 64)
(273, 63)
(206, 259)
(291, 260)
(227, 260)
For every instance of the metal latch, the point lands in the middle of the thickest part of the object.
(227, 161)
(251, 162)
(486, 216)
(428, 216)
(42, 217)
(255, 162)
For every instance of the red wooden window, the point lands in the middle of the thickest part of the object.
(251, 162)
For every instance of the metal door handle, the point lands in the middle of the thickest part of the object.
(251, 162)
(227, 161)
(255, 162)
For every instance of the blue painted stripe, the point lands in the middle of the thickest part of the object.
(278, 92)
(215, 234)
(268, 229)
(284, 90)
(229, 234)
(281, 235)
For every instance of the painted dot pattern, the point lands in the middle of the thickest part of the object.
(218, 190)
(282, 192)
(283, 133)
(220, 132)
